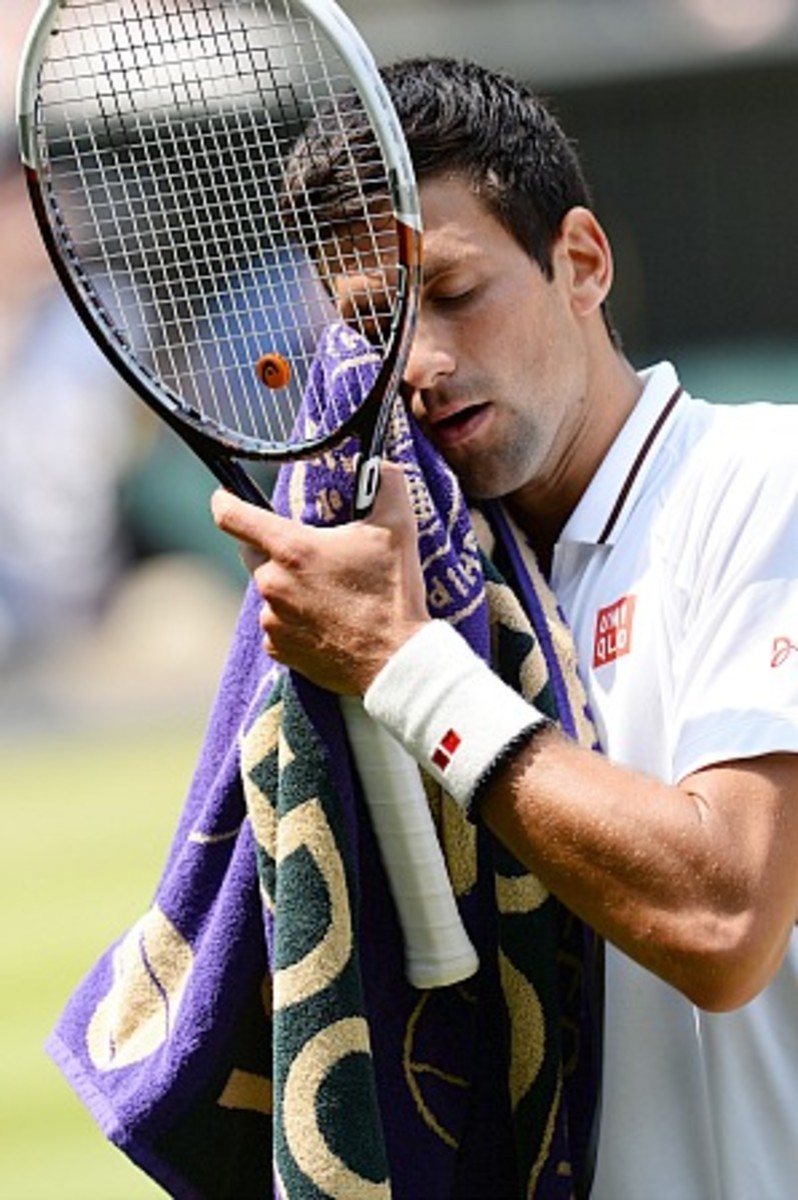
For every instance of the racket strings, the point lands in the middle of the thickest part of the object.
(167, 126)
(214, 201)
(189, 346)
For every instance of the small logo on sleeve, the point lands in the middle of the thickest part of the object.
(783, 648)
(445, 749)
(613, 637)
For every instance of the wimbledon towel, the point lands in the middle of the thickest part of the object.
(254, 1035)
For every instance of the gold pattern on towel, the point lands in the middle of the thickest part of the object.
(151, 968)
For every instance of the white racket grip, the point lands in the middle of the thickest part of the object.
(438, 951)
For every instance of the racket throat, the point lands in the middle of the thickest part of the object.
(367, 482)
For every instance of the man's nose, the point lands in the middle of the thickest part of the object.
(429, 361)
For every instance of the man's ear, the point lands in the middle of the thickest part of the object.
(584, 252)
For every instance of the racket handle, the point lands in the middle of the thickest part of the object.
(367, 483)
(438, 951)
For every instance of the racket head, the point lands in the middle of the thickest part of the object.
(159, 141)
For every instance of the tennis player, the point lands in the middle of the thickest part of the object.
(668, 528)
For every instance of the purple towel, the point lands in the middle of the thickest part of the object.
(254, 1035)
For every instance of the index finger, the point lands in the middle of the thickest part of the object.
(257, 527)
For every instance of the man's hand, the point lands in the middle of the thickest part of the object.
(337, 602)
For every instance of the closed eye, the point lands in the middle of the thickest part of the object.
(453, 300)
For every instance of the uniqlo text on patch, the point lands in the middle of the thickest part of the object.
(613, 637)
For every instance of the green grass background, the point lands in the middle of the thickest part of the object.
(87, 821)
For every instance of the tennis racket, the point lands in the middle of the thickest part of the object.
(176, 157)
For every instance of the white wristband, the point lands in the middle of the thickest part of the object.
(449, 710)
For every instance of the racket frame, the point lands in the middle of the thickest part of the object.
(216, 448)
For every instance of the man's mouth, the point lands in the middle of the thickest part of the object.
(452, 428)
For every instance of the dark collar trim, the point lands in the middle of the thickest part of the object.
(636, 465)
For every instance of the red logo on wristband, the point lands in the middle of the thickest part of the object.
(445, 749)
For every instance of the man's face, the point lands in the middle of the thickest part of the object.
(497, 375)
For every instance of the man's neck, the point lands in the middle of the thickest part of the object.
(541, 510)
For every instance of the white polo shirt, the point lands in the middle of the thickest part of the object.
(679, 575)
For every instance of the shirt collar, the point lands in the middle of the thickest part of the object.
(601, 513)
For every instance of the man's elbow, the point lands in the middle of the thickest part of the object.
(735, 961)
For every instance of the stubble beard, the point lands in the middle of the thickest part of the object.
(496, 472)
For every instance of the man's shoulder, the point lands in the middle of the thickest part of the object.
(748, 440)
(732, 476)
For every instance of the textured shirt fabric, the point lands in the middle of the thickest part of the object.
(678, 573)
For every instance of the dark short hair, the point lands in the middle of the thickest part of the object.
(459, 118)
